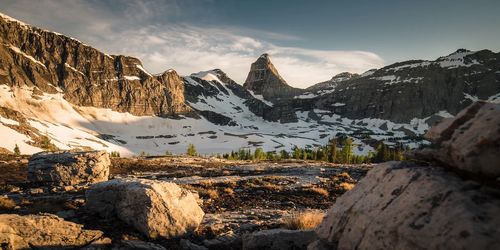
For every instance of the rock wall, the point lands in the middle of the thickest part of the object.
(55, 63)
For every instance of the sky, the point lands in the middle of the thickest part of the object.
(308, 41)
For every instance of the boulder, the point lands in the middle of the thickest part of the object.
(470, 141)
(401, 205)
(43, 231)
(155, 208)
(69, 168)
(278, 239)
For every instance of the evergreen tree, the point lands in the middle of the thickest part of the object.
(347, 151)
(284, 154)
(17, 151)
(191, 150)
(333, 150)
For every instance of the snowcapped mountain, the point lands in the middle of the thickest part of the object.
(55, 86)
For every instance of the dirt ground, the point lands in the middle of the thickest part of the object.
(237, 196)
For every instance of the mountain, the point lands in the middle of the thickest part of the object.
(54, 63)
(264, 79)
(57, 87)
(413, 89)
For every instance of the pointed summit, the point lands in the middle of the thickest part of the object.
(264, 79)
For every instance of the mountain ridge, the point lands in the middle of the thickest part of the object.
(57, 87)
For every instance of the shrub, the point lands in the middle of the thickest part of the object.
(346, 186)
(212, 193)
(303, 221)
(191, 150)
(17, 151)
(115, 154)
(7, 203)
(229, 191)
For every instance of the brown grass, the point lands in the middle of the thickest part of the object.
(303, 221)
(212, 193)
(7, 203)
(206, 183)
(321, 191)
(272, 187)
(229, 191)
(346, 186)
(344, 175)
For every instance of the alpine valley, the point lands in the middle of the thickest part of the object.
(56, 86)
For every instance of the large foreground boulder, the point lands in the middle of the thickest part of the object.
(470, 141)
(43, 231)
(155, 208)
(69, 168)
(401, 205)
(277, 239)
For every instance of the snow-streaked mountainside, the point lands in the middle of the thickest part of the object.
(82, 98)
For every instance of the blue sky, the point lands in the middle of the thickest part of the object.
(309, 41)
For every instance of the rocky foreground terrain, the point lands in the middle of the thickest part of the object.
(446, 196)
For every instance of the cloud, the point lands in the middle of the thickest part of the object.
(149, 30)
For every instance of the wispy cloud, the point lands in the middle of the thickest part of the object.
(186, 47)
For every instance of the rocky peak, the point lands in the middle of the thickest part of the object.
(264, 79)
(52, 63)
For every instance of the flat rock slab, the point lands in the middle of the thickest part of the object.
(155, 208)
(405, 206)
(43, 231)
(69, 168)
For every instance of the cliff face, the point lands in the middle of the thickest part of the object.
(54, 63)
(414, 89)
(264, 79)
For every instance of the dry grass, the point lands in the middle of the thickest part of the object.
(7, 203)
(346, 186)
(212, 193)
(206, 183)
(272, 187)
(229, 191)
(303, 221)
(344, 175)
(321, 191)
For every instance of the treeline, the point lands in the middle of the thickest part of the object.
(338, 150)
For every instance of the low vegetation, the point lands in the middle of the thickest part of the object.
(338, 150)
(6, 203)
(303, 221)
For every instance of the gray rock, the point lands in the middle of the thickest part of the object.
(405, 206)
(69, 168)
(278, 239)
(43, 231)
(471, 140)
(155, 208)
(188, 245)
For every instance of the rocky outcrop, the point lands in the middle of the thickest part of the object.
(401, 205)
(277, 239)
(405, 206)
(264, 79)
(69, 168)
(415, 89)
(155, 208)
(54, 63)
(43, 232)
(470, 141)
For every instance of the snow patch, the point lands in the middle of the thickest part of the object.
(17, 50)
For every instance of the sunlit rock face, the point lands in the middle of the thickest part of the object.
(54, 63)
